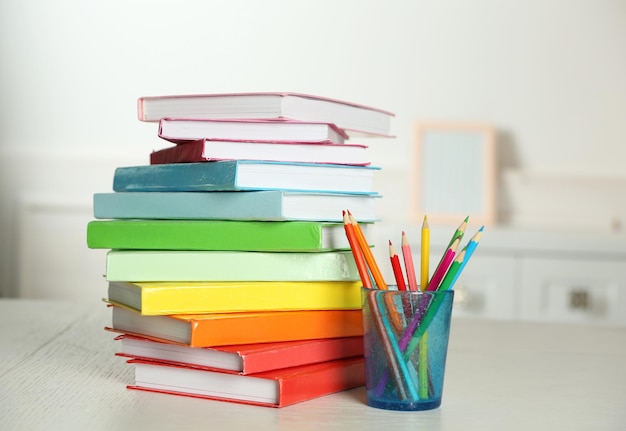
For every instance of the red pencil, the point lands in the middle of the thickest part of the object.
(397, 269)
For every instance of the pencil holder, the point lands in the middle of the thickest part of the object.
(405, 345)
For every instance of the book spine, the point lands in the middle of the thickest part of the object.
(277, 327)
(130, 265)
(317, 351)
(206, 235)
(331, 377)
(261, 205)
(188, 152)
(176, 177)
(270, 296)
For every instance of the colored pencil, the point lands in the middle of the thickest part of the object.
(443, 266)
(356, 251)
(469, 251)
(379, 281)
(395, 266)
(407, 255)
(425, 256)
(422, 365)
(453, 272)
(459, 232)
(417, 327)
(394, 356)
(432, 309)
(367, 253)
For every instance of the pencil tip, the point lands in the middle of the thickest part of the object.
(481, 229)
(466, 219)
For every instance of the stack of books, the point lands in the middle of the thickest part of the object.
(230, 274)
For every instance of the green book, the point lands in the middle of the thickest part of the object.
(216, 235)
(167, 265)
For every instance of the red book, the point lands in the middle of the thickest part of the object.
(243, 358)
(276, 388)
(210, 150)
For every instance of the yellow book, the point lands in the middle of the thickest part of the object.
(163, 298)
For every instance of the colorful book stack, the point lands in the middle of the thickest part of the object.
(230, 276)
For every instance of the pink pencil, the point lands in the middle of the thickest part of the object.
(443, 266)
(408, 262)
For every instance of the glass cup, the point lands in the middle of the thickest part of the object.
(405, 345)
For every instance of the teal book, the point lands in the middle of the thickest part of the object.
(271, 205)
(168, 265)
(238, 175)
(232, 235)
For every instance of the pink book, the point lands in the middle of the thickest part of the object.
(208, 150)
(352, 117)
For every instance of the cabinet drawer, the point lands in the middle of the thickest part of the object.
(573, 290)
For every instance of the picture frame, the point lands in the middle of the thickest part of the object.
(454, 175)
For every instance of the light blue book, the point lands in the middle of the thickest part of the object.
(273, 205)
(235, 175)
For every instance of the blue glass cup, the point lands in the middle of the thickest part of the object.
(405, 345)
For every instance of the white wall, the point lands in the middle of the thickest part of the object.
(548, 74)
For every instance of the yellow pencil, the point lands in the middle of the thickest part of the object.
(422, 365)
(425, 250)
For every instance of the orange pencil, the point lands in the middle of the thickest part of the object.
(394, 314)
(356, 252)
(397, 269)
(367, 253)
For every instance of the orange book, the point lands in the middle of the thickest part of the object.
(277, 388)
(223, 329)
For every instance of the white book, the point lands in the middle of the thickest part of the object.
(182, 130)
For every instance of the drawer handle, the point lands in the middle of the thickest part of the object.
(579, 299)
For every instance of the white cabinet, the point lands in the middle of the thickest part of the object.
(547, 276)
(580, 290)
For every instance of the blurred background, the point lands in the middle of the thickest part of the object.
(548, 76)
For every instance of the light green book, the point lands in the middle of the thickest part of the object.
(168, 265)
(216, 235)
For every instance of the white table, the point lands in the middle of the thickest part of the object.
(58, 371)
